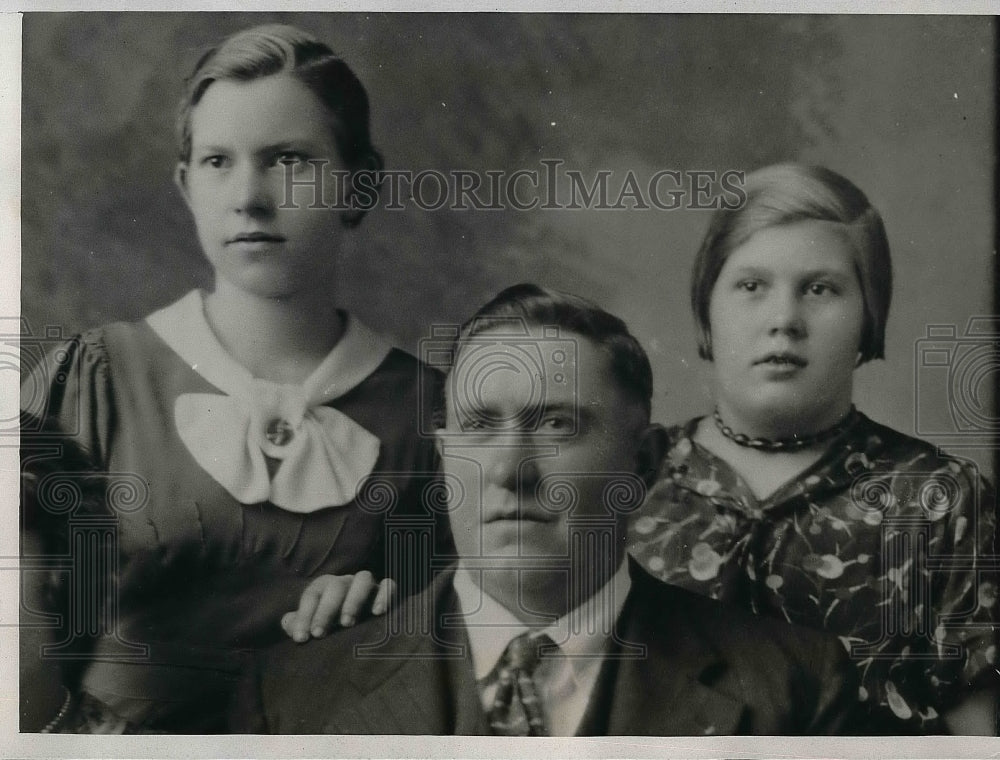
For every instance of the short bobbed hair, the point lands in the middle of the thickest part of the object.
(271, 49)
(539, 306)
(788, 193)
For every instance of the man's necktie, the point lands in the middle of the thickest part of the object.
(517, 708)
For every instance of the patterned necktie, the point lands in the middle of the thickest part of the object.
(517, 708)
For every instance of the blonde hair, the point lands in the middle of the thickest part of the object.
(788, 193)
(271, 49)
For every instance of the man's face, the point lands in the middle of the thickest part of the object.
(541, 439)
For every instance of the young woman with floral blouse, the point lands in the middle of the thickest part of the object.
(790, 501)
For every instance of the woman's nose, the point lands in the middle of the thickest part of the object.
(785, 315)
(251, 193)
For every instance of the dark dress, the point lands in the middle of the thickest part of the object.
(171, 581)
(884, 541)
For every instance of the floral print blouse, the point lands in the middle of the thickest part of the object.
(884, 541)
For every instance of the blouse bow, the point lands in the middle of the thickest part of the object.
(265, 441)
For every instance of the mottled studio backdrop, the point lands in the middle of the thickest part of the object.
(904, 106)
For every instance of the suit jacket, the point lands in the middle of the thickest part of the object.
(707, 668)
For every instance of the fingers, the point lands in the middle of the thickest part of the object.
(344, 598)
(308, 618)
(385, 596)
(360, 591)
(288, 625)
(297, 624)
(330, 603)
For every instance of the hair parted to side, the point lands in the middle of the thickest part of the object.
(788, 193)
(271, 49)
(546, 307)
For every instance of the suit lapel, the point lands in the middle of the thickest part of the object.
(466, 706)
(466, 710)
(667, 692)
(411, 698)
(650, 700)
(414, 682)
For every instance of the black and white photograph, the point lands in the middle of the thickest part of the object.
(562, 375)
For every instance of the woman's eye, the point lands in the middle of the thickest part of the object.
(289, 158)
(215, 162)
(820, 289)
(749, 286)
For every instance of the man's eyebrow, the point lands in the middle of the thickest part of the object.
(560, 406)
(471, 407)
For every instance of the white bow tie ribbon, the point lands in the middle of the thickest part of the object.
(322, 454)
(319, 455)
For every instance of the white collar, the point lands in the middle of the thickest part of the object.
(183, 327)
(488, 642)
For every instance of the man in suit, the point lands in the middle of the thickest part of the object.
(541, 626)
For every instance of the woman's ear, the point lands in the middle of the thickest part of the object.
(652, 448)
(180, 179)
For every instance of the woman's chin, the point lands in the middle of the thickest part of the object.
(270, 285)
(784, 414)
(787, 426)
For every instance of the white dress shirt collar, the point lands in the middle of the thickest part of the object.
(582, 636)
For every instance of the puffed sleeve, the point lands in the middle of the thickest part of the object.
(68, 393)
(65, 429)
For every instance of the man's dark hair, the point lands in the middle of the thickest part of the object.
(537, 305)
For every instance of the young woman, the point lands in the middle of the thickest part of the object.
(245, 419)
(790, 501)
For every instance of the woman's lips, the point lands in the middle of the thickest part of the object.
(256, 237)
(782, 359)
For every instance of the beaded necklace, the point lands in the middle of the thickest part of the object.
(795, 443)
